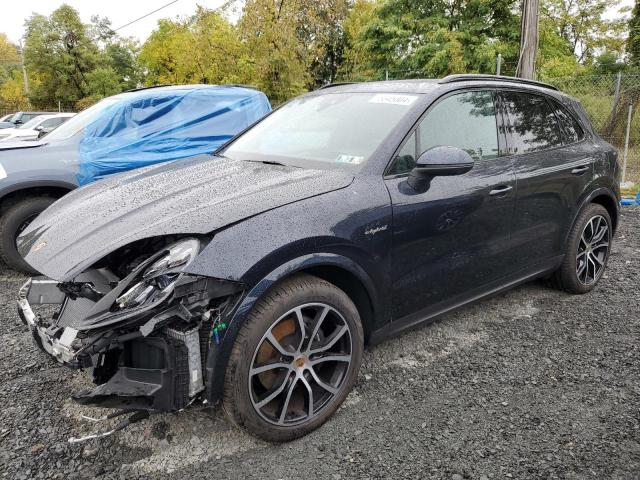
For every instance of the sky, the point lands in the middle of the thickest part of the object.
(120, 12)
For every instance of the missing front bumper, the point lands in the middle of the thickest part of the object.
(55, 342)
(156, 363)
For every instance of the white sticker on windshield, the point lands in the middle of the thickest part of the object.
(352, 159)
(393, 99)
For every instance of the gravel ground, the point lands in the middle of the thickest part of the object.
(529, 384)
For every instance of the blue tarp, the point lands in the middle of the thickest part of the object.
(169, 123)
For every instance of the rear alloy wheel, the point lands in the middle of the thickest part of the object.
(593, 250)
(586, 252)
(295, 359)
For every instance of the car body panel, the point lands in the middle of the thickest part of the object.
(195, 196)
(416, 254)
(452, 237)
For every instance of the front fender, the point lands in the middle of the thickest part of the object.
(218, 357)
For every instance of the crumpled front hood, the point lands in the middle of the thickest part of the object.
(194, 196)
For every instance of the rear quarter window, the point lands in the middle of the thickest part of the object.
(572, 132)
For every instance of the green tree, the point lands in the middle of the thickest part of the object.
(354, 64)
(9, 58)
(280, 62)
(412, 37)
(204, 48)
(12, 94)
(73, 61)
(320, 29)
(555, 57)
(59, 50)
(121, 55)
(633, 41)
(583, 25)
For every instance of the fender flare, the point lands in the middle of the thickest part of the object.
(37, 184)
(587, 200)
(218, 357)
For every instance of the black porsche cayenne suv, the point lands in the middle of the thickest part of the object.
(255, 276)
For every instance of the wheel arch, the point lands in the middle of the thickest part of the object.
(338, 270)
(9, 197)
(610, 204)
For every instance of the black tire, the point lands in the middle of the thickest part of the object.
(291, 293)
(566, 277)
(12, 222)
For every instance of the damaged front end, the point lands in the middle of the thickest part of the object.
(144, 331)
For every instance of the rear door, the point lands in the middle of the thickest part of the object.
(453, 238)
(553, 166)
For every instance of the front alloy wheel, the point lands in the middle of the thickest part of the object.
(300, 364)
(295, 359)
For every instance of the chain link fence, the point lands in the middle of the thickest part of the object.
(62, 107)
(612, 102)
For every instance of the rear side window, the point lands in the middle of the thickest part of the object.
(571, 129)
(531, 123)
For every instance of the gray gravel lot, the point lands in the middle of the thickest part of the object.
(533, 383)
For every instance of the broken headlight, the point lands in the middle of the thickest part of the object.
(159, 279)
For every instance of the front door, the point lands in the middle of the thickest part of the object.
(455, 236)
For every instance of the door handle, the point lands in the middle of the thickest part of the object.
(501, 190)
(580, 170)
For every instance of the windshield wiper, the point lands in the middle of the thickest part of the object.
(270, 162)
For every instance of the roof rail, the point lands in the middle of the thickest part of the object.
(494, 78)
(339, 84)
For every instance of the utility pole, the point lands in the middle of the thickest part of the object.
(528, 39)
(498, 64)
(25, 77)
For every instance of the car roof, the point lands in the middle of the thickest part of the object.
(55, 115)
(30, 112)
(421, 86)
(159, 89)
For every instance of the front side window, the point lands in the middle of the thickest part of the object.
(532, 123)
(332, 130)
(51, 122)
(33, 123)
(464, 120)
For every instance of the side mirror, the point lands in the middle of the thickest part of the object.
(439, 161)
(39, 128)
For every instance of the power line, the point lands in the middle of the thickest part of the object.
(145, 16)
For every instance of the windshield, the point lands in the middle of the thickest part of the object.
(332, 130)
(81, 120)
(31, 123)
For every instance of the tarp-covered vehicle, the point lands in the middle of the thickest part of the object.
(126, 131)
